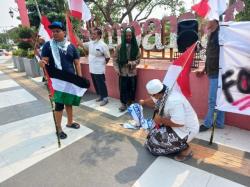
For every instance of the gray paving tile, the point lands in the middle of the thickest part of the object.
(101, 159)
(4, 77)
(10, 89)
(21, 111)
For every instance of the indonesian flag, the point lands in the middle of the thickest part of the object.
(64, 87)
(79, 10)
(44, 30)
(178, 72)
(210, 9)
(71, 35)
(86, 15)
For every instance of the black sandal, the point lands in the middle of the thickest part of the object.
(62, 135)
(182, 158)
(73, 126)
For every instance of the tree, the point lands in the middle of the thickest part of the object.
(3, 37)
(7, 38)
(112, 11)
(13, 33)
(25, 38)
(53, 9)
(245, 14)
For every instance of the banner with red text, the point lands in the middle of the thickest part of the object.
(233, 93)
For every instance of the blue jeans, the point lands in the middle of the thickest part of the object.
(208, 121)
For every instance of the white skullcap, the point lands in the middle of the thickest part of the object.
(42, 37)
(128, 29)
(154, 86)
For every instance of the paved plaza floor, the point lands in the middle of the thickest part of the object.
(101, 153)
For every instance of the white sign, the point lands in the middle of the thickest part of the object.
(233, 93)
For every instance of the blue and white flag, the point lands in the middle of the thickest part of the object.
(136, 112)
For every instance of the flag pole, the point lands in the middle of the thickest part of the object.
(49, 93)
(214, 115)
(39, 13)
(213, 128)
(160, 108)
(52, 105)
(190, 54)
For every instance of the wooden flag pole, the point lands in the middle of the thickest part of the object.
(47, 86)
(52, 105)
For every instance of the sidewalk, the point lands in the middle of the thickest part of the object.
(101, 153)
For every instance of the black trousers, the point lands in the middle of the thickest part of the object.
(100, 85)
(127, 86)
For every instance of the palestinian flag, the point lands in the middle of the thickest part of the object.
(66, 88)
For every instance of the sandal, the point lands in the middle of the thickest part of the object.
(73, 126)
(123, 108)
(62, 135)
(182, 158)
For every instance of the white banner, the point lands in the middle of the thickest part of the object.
(233, 93)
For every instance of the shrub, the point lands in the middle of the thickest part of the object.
(23, 53)
(82, 52)
(25, 38)
(24, 45)
(25, 32)
(30, 54)
(15, 53)
(18, 52)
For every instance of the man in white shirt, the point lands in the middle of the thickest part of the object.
(176, 122)
(98, 58)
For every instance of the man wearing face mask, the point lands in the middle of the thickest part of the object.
(176, 122)
(60, 54)
(98, 58)
(126, 58)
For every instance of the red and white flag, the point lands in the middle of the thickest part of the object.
(177, 76)
(79, 10)
(44, 30)
(71, 35)
(86, 15)
(210, 9)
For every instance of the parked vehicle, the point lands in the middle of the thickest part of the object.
(3, 52)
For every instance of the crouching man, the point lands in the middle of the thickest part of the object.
(176, 122)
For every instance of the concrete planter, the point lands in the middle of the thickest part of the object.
(14, 59)
(20, 64)
(31, 67)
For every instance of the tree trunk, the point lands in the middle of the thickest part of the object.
(109, 19)
(130, 17)
(231, 2)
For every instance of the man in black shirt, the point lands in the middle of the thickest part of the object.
(212, 70)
